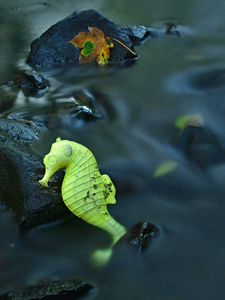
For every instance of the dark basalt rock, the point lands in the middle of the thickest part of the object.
(21, 131)
(137, 33)
(51, 290)
(20, 171)
(141, 234)
(32, 83)
(53, 45)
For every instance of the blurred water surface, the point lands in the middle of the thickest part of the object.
(139, 104)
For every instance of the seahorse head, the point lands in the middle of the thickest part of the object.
(58, 157)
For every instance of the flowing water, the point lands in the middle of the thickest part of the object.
(174, 76)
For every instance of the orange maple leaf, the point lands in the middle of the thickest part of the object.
(94, 45)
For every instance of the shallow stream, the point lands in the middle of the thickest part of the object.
(139, 105)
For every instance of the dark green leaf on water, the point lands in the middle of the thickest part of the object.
(88, 48)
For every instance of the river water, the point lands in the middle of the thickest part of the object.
(173, 77)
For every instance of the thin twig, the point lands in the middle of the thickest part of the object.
(123, 45)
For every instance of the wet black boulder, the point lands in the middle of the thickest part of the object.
(20, 171)
(53, 45)
(51, 290)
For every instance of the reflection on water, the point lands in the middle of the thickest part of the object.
(134, 131)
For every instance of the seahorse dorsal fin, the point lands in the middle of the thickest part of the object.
(67, 150)
(110, 189)
(110, 199)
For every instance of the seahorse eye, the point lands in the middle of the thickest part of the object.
(52, 159)
(67, 150)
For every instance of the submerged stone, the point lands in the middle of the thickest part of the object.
(207, 79)
(53, 45)
(175, 30)
(141, 234)
(86, 107)
(201, 146)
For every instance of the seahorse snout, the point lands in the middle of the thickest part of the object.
(43, 182)
(45, 179)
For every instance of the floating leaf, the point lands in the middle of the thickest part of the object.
(165, 167)
(94, 45)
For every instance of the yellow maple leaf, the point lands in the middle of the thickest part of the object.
(94, 45)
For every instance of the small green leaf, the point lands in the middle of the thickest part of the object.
(181, 121)
(165, 167)
(88, 48)
(189, 120)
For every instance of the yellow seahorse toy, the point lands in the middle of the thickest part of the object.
(84, 190)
